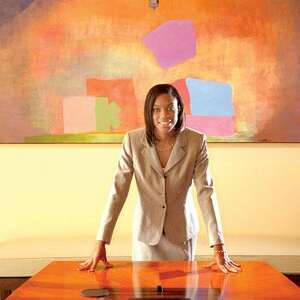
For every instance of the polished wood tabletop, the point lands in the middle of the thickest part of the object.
(158, 280)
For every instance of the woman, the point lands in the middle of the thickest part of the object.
(165, 158)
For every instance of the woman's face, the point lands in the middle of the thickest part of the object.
(165, 113)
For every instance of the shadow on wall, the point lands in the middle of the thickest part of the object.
(11, 8)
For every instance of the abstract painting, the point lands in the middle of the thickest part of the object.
(76, 71)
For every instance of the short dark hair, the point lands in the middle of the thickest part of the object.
(153, 93)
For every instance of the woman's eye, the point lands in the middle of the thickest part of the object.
(170, 109)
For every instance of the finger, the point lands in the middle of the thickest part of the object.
(233, 268)
(107, 264)
(223, 269)
(239, 269)
(85, 266)
(234, 263)
(93, 265)
(230, 268)
(86, 262)
(210, 264)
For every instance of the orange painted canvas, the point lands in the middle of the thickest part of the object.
(76, 71)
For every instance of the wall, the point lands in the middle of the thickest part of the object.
(57, 192)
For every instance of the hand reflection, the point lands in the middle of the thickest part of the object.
(162, 279)
(190, 282)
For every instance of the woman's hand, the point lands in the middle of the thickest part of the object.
(98, 254)
(223, 261)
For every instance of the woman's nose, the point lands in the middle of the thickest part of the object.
(164, 113)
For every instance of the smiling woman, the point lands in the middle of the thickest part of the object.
(163, 105)
(164, 157)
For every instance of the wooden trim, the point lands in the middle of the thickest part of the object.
(9, 284)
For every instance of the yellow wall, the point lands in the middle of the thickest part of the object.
(58, 191)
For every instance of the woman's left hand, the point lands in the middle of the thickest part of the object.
(223, 261)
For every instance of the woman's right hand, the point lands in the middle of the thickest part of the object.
(98, 254)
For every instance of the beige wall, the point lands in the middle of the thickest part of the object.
(58, 191)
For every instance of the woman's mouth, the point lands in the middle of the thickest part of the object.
(164, 122)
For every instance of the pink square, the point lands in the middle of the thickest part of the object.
(217, 126)
(79, 114)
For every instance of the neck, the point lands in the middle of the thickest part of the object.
(165, 137)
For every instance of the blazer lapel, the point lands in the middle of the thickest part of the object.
(178, 151)
(176, 155)
(150, 155)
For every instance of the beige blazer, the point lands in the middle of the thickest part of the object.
(165, 202)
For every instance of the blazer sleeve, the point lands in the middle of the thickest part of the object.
(118, 192)
(206, 195)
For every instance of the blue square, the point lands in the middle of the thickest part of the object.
(210, 98)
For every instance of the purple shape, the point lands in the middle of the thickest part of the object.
(172, 42)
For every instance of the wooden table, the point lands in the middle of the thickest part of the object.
(176, 280)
